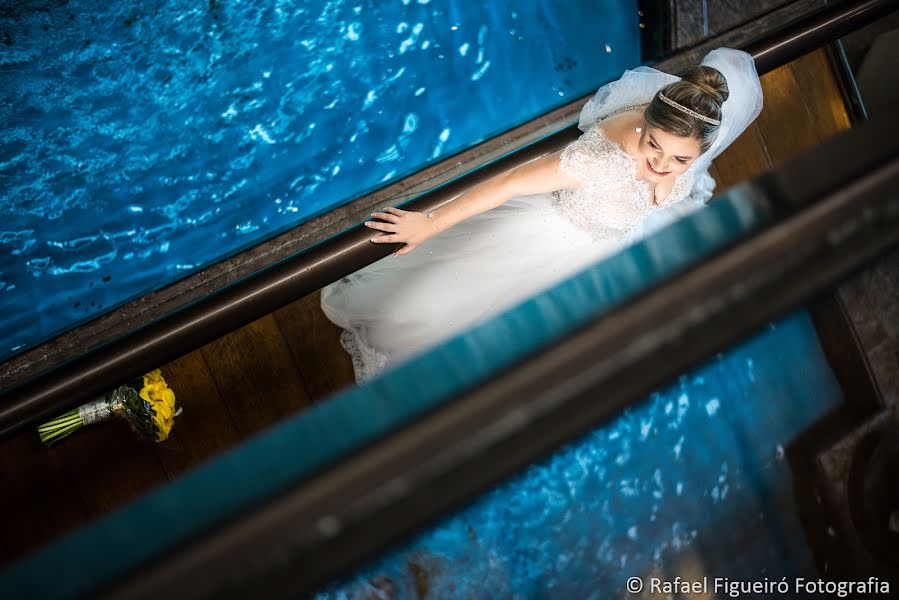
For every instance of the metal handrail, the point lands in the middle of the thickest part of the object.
(240, 303)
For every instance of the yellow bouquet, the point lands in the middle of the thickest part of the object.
(147, 404)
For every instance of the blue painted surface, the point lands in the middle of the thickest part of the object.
(690, 483)
(714, 438)
(142, 142)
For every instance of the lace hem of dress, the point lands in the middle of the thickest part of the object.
(367, 362)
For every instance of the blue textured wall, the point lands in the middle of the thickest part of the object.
(144, 141)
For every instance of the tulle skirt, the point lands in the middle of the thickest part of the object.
(402, 305)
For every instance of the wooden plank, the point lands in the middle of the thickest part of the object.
(802, 108)
(256, 375)
(821, 94)
(315, 344)
(111, 465)
(39, 498)
(205, 428)
(744, 159)
(785, 123)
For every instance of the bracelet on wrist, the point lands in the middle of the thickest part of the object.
(430, 215)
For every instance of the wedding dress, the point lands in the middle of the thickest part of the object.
(400, 305)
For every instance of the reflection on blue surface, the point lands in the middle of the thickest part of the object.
(692, 483)
(142, 142)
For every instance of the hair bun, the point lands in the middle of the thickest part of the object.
(690, 103)
(709, 80)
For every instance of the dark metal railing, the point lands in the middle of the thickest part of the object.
(814, 31)
(171, 336)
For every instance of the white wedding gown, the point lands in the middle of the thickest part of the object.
(401, 305)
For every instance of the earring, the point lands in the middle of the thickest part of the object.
(638, 129)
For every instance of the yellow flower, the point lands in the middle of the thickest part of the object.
(153, 376)
(163, 427)
(162, 409)
(161, 399)
(158, 392)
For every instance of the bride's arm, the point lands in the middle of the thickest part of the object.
(413, 228)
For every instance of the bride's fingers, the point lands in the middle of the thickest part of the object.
(390, 238)
(405, 250)
(386, 216)
(396, 211)
(381, 226)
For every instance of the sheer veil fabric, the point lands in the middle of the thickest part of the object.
(401, 305)
(638, 86)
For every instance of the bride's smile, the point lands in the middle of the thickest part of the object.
(654, 172)
(661, 154)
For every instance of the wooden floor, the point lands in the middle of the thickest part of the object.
(252, 378)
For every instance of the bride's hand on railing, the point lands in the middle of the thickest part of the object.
(402, 226)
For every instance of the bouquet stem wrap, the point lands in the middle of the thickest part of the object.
(95, 412)
(147, 404)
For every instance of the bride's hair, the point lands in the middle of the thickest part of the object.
(701, 89)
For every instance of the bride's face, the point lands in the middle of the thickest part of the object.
(665, 155)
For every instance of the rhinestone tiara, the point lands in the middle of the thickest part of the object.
(683, 108)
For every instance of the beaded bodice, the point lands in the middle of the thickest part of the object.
(612, 199)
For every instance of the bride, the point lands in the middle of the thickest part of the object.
(642, 162)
